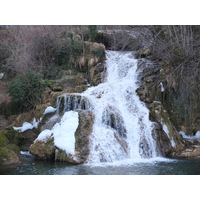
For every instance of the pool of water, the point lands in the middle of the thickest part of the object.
(32, 166)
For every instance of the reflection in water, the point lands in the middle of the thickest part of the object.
(31, 166)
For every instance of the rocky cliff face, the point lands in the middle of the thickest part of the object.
(158, 91)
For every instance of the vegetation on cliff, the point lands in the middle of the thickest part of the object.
(173, 78)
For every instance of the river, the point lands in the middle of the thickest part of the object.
(32, 166)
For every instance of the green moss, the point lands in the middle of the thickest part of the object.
(96, 80)
(14, 148)
(6, 154)
(3, 140)
(10, 134)
(79, 89)
(60, 155)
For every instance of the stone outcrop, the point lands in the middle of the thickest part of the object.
(8, 157)
(119, 40)
(86, 119)
(9, 152)
(192, 149)
(167, 138)
(47, 149)
(152, 92)
(43, 150)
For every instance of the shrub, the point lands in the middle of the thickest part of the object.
(26, 90)
(68, 50)
(92, 32)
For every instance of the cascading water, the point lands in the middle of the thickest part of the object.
(122, 129)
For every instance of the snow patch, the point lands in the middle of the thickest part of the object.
(49, 109)
(156, 102)
(196, 136)
(173, 143)
(26, 153)
(26, 125)
(162, 88)
(44, 135)
(166, 130)
(63, 132)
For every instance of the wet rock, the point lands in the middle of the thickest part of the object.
(175, 142)
(163, 145)
(96, 74)
(112, 117)
(86, 119)
(72, 101)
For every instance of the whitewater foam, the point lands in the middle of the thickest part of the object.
(117, 98)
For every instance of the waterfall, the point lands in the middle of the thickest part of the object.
(122, 129)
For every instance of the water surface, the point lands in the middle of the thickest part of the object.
(32, 166)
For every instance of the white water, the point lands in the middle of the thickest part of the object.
(122, 129)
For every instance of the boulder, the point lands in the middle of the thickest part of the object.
(47, 149)
(8, 157)
(86, 119)
(9, 152)
(192, 149)
(43, 150)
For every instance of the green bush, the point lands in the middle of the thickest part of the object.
(92, 32)
(77, 48)
(98, 52)
(68, 50)
(26, 90)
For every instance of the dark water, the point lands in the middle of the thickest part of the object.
(31, 166)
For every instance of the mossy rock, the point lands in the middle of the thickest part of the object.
(143, 53)
(57, 88)
(10, 134)
(86, 119)
(61, 155)
(161, 116)
(79, 89)
(14, 148)
(8, 157)
(43, 150)
(3, 140)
